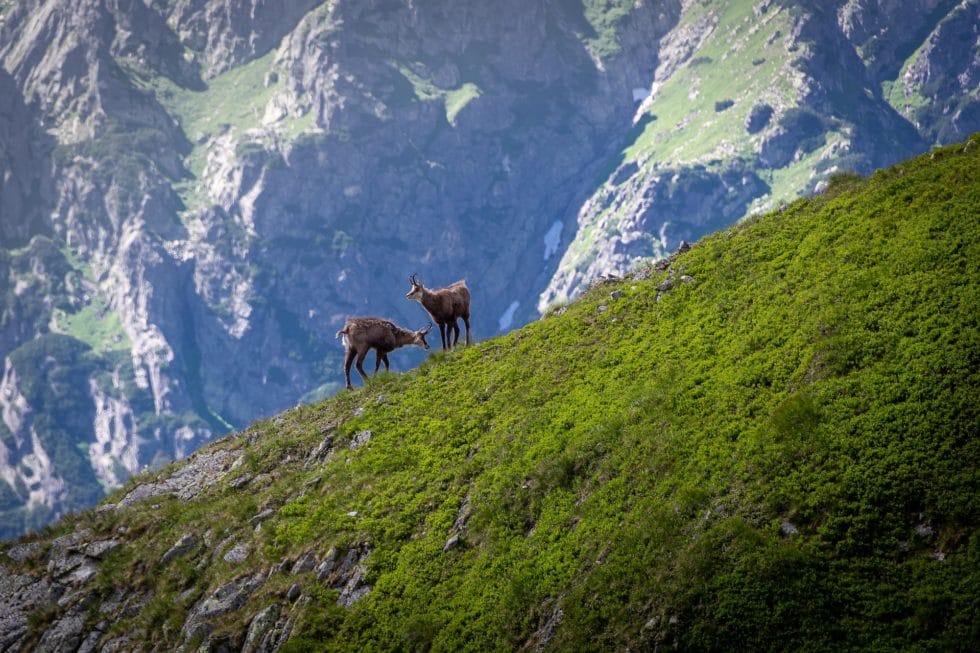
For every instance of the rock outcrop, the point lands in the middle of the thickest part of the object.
(801, 93)
(61, 593)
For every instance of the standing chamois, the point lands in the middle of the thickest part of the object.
(362, 334)
(445, 306)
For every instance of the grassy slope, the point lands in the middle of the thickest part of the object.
(454, 99)
(635, 468)
(743, 61)
(688, 128)
(96, 324)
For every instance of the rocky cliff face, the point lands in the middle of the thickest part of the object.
(752, 108)
(937, 87)
(22, 168)
(195, 194)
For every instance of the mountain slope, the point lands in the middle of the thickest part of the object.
(769, 443)
(754, 104)
(222, 178)
(201, 191)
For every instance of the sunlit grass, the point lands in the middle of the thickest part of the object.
(744, 456)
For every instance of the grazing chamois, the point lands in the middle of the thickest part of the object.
(362, 334)
(445, 306)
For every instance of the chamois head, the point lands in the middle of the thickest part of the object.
(415, 292)
(420, 336)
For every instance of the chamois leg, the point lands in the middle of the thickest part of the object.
(359, 363)
(348, 359)
(384, 359)
(377, 360)
(443, 332)
(466, 321)
(454, 325)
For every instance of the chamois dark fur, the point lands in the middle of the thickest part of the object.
(445, 306)
(362, 334)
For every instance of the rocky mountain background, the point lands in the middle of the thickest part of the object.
(195, 193)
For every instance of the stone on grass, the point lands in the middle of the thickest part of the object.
(236, 554)
(306, 562)
(452, 543)
(260, 626)
(180, 548)
(360, 439)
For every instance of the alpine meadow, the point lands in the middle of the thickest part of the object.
(765, 442)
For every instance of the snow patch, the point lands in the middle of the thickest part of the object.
(551, 239)
(508, 317)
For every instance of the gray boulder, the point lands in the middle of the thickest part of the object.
(259, 629)
(64, 635)
(228, 597)
(236, 554)
(306, 562)
(181, 547)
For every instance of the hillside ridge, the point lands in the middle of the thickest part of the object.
(771, 442)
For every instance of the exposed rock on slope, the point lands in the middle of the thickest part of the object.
(806, 90)
(227, 33)
(23, 168)
(938, 89)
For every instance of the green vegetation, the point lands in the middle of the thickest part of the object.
(604, 16)
(233, 101)
(747, 66)
(779, 455)
(96, 324)
(454, 99)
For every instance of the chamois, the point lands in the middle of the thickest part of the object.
(445, 306)
(362, 334)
